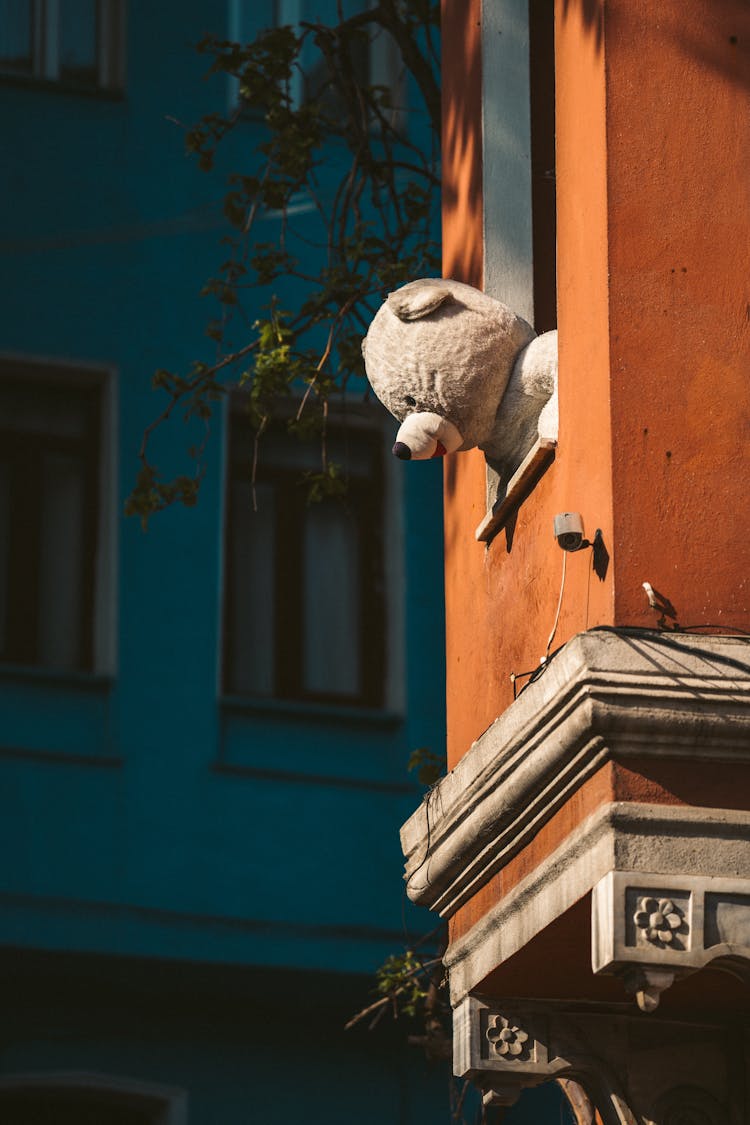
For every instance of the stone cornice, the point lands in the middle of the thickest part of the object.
(606, 693)
(655, 840)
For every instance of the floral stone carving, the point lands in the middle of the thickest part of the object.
(658, 919)
(506, 1039)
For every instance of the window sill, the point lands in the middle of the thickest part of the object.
(300, 709)
(521, 484)
(52, 85)
(93, 682)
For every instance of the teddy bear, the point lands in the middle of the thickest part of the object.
(459, 369)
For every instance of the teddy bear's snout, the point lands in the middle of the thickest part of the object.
(424, 435)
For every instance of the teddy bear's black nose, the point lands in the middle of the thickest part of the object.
(402, 451)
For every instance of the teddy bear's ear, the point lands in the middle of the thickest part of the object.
(418, 299)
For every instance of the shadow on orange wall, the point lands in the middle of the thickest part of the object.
(590, 16)
(462, 141)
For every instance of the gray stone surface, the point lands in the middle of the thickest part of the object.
(654, 845)
(677, 923)
(636, 1070)
(670, 885)
(623, 692)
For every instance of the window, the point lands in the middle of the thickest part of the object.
(519, 192)
(70, 1098)
(72, 1108)
(543, 187)
(50, 499)
(304, 609)
(379, 62)
(75, 42)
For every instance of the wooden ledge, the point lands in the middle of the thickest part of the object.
(532, 468)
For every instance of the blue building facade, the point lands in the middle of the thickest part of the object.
(198, 875)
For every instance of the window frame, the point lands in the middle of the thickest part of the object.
(382, 58)
(25, 453)
(378, 592)
(45, 48)
(519, 204)
(101, 568)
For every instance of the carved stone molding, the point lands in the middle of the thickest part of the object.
(479, 1053)
(650, 845)
(651, 928)
(607, 692)
(636, 1071)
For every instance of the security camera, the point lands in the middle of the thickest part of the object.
(569, 531)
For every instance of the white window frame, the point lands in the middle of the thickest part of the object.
(45, 46)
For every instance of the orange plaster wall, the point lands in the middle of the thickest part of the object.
(653, 153)
(501, 599)
(654, 318)
(679, 214)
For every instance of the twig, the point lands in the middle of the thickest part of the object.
(256, 443)
(383, 1001)
(326, 353)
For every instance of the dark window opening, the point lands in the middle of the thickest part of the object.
(543, 194)
(304, 612)
(49, 502)
(77, 1107)
(75, 43)
(16, 36)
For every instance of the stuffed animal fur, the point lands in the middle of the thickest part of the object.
(459, 369)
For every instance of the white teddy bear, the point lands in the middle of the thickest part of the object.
(459, 369)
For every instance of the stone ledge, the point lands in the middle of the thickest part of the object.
(607, 693)
(659, 842)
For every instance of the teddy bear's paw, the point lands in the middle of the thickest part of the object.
(535, 369)
(549, 420)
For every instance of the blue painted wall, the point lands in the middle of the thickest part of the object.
(144, 823)
(185, 806)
